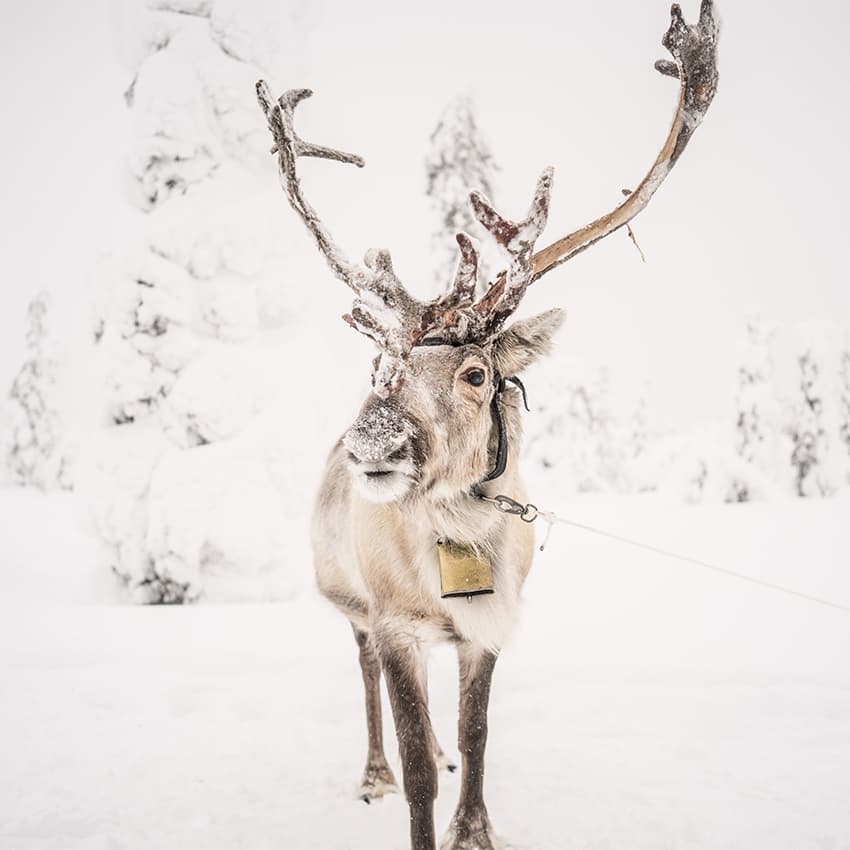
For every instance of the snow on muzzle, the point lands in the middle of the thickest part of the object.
(380, 446)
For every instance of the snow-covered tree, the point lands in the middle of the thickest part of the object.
(639, 436)
(790, 422)
(697, 465)
(844, 412)
(574, 433)
(182, 484)
(642, 445)
(756, 434)
(818, 456)
(458, 162)
(33, 450)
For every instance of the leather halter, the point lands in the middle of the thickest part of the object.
(499, 418)
(496, 408)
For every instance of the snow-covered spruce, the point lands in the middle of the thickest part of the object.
(180, 484)
(844, 378)
(758, 440)
(790, 423)
(32, 443)
(575, 434)
(458, 162)
(819, 458)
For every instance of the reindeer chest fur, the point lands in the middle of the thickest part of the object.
(398, 559)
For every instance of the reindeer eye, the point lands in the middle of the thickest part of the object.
(475, 377)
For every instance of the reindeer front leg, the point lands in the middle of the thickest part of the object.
(378, 778)
(470, 828)
(403, 668)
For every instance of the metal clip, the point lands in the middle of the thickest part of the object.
(529, 513)
(507, 505)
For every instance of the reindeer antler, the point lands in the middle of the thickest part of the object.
(517, 240)
(383, 309)
(288, 147)
(694, 51)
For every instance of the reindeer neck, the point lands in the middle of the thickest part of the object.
(462, 516)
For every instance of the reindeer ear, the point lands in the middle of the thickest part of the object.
(523, 342)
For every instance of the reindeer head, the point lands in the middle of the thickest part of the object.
(428, 421)
(435, 433)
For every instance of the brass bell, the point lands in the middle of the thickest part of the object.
(463, 572)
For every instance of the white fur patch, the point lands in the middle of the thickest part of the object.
(386, 488)
(486, 620)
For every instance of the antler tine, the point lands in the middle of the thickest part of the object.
(462, 292)
(288, 101)
(288, 147)
(386, 313)
(694, 51)
(517, 239)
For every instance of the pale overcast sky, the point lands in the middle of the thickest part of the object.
(752, 220)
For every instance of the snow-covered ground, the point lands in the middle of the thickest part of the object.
(642, 703)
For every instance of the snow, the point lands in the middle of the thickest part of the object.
(642, 703)
(217, 522)
(48, 558)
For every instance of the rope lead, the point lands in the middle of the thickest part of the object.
(529, 513)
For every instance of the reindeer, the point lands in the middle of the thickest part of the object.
(407, 543)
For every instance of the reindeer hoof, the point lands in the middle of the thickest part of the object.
(471, 832)
(377, 781)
